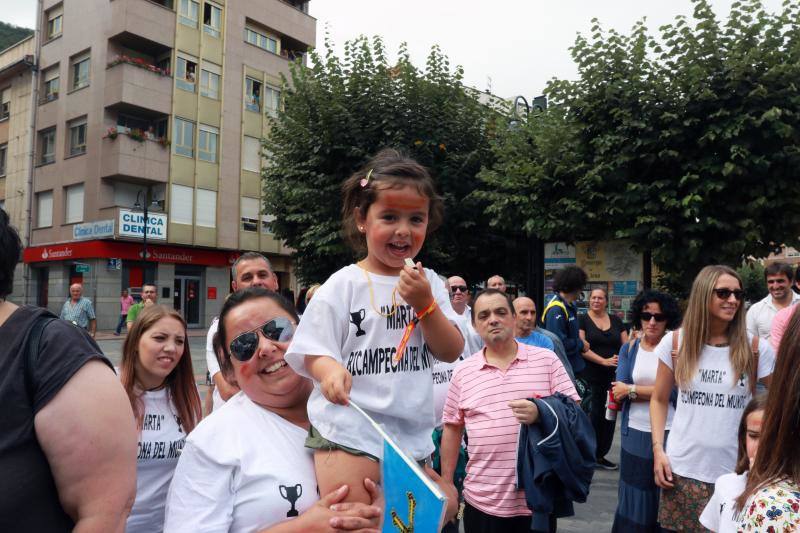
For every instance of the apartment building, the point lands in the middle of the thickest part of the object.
(156, 107)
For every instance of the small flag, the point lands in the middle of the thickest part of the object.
(413, 503)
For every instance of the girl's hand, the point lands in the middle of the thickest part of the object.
(335, 385)
(662, 468)
(328, 515)
(620, 390)
(414, 288)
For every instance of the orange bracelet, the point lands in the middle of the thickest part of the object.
(428, 310)
(401, 348)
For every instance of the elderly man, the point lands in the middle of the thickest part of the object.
(497, 282)
(525, 330)
(459, 299)
(79, 310)
(251, 269)
(488, 397)
(149, 297)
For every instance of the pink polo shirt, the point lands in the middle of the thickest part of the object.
(478, 398)
(779, 324)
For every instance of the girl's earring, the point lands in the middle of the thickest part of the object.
(361, 229)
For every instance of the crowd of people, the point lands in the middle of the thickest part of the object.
(508, 412)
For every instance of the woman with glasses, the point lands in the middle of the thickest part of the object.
(245, 467)
(653, 314)
(715, 367)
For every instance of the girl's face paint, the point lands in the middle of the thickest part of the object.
(395, 227)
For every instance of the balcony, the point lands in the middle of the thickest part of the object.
(129, 157)
(142, 20)
(137, 86)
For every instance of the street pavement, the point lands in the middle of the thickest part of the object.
(596, 515)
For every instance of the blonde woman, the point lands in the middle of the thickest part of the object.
(713, 364)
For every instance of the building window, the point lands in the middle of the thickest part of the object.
(207, 141)
(5, 103)
(206, 208)
(187, 12)
(266, 223)
(44, 209)
(3, 159)
(73, 200)
(80, 70)
(249, 207)
(209, 80)
(181, 204)
(183, 137)
(52, 84)
(77, 136)
(55, 17)
(212, 19)
(186, 73)
(252, 94)
(47, 146)
(272, 100)
(261, 39)
(251, 160)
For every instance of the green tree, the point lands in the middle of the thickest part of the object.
(754, 284)
(685, 144)
(338, 113)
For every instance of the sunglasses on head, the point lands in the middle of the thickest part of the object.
(277, 330)
(660, 317)
(458, 288)
(724, 294)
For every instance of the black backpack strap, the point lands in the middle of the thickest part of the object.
(32, 350)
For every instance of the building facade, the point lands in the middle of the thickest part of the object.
(155, 108)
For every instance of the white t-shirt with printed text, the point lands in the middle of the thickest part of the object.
(160, 444)
(212, 364)
(343, 323)
(243, 468)
(703, 442)
(719, 515)
(644, 374)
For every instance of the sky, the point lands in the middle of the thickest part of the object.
(511, 47)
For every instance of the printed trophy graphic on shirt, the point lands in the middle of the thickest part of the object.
(291, 494)
(356, 319)
(741, 380)
(401, 526)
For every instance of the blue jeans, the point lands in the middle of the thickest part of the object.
(121, 322)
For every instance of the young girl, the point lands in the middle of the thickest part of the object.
(350, 333)
(157, 375)
(720, 515)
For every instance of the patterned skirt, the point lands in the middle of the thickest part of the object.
(681, 506)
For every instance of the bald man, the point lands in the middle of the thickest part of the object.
(526, 331)
(79, 310)
(497, 282)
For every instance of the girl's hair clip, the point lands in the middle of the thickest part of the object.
(365, 181)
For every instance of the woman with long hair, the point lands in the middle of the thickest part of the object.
(654, 313)
(715, 366)
(158, 378)
(771, 497)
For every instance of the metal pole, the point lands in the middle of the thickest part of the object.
(144, 242)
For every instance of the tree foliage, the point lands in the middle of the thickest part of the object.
(338, 113)
(687, 144)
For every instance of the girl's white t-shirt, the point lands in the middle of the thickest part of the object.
(160, 444)
(644, 374)
(342, 322)
(703, 442)
(719, 515)
(243, 468)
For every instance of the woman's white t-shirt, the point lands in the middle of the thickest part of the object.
(160, 444)
(719, 515)
(644, 374)
(703, 442)
(342, 322)
(243, 468)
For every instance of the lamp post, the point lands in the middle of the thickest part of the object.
(143, 206)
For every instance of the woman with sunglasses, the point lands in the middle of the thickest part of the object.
(653, 314)
(714, 365)
(245, 467)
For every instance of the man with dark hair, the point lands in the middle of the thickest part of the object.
(560, 315)
(149, 297)
(779, 278)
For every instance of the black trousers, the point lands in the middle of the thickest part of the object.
(593, 402)
(476, 521)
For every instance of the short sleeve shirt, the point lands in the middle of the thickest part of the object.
(478, 399)
(134, 311)
(81, 313)
(211, 362)
(720, 513)
(350, 319)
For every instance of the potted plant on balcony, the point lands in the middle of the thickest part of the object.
(136, 134)
(164, 142)
(112, 133)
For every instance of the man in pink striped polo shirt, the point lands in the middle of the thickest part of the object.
(487, 396)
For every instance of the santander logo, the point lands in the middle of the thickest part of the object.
(66, 252)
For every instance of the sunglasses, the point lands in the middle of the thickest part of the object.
(458, 288)
(660, 317)
(277, 330)
(724, 294)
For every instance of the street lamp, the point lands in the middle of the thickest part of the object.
(143, 206)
